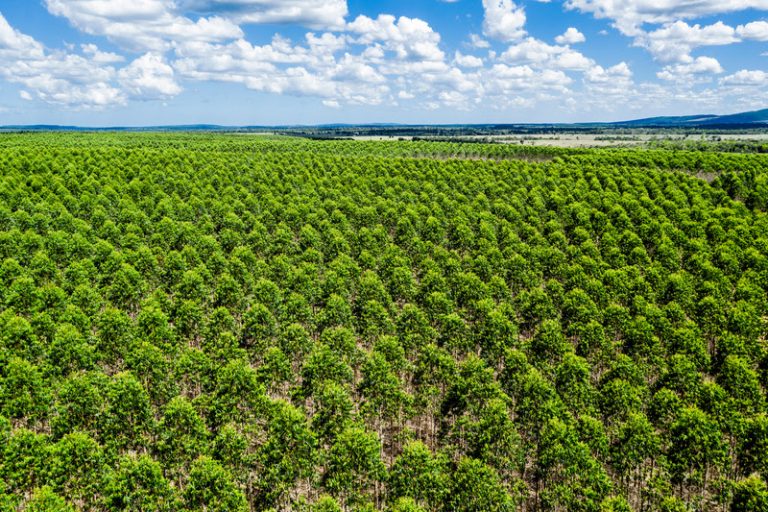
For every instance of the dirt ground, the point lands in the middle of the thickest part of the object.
(565, 140)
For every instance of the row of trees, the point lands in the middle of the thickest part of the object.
(203, 323)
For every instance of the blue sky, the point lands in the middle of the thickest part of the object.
(256, 62)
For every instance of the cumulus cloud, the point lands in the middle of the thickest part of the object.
(65, 80)
(15, 44)
(84, 81)
(674, 41)
(614, 83)
(630, 15)
(571, 36)
(538, 53)
(688, 70)
(746, 77)
(467, 61)
(60, 92)
(674, 38)
(599, 75)
(57, 78)
(142, 24)
(371, 61)
(475, 41)
(284, 68)
(408, 38)
(99, 56)
(522, 86)
(149, 77)
(756, 31)
(315, 14)
(504, 20)
(381, 60)
(377, 60)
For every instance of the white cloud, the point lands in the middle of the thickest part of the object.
(538, 53)
(746, 77)
(101, 57)
(98, 95)
(59, 78)
(378, 60)
(547, 86)
(467, 61)
(15, 44)
(142, 24)
(530, 50)
(475, 41)
(284, 68)
(674, 41)
(447, 78)
(744, 90)
(509, 86)
(598, 74)
(502, 71)
(630, 15)
(455, 100)
(327, 43)
(614, 82)
(87, 81)
(572, 60)
(315, 14)
(66, 80)
(382, 60)
(756, 30)
(570, 36)
(355, 69)
(149, 77)
(409, 38)
(504, 20)
(686, 71)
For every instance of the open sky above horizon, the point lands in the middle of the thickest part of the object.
(266, 62)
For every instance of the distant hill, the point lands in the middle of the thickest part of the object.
(668, 121)
(743, 119)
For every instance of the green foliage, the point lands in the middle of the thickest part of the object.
(354, 464)
(211, 488)
(219, 322)
(138, 484)
(421, 476)
(695, 444)
(326, 504)
(24, 394)
(45, 500)
(77, 467)
(750, 495)
(476, 487)
(182, 434)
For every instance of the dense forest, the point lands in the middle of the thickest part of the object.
(251, 323)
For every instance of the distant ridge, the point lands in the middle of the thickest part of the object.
(756, 117)
(743, 120)
(668, 121)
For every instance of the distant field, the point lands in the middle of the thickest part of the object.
(565, 140)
